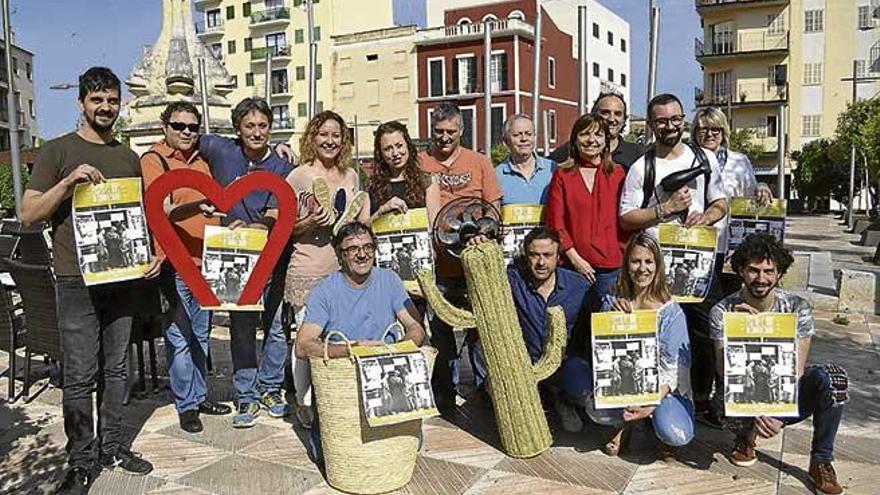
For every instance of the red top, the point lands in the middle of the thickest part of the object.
(588, 221)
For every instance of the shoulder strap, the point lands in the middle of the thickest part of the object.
(164, 163)
(703, 161)
(648, 183)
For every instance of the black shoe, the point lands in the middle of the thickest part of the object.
(709, 418)
(127, 460)
(76, 482)
(214, 409)
(190, 422)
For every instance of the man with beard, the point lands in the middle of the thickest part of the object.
(94, 322)
(524, 176)
(702, 202)
(761, 261)
(230, 159)
(612, 108)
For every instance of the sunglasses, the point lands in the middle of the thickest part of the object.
(180, 126)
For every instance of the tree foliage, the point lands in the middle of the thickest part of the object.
(859, 124)
(7, 196)
(741, 140)
(499, 153)
(823, 170)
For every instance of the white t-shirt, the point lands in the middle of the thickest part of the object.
(633, 188)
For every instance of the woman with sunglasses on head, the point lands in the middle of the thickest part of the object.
(642, 286)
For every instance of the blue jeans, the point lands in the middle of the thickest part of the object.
(673, 419)
(606, 279)
(251, 382)
(814, 399)
(186, 346)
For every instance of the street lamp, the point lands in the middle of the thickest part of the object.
(63, 86)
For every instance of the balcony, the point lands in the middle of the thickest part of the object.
(719, 5)
(283, 124)
(204, 30)
(748, 94)
(758, 43)
(258, 54)
(201, 5)
(465, 32)
(281, 88)
(271, 17)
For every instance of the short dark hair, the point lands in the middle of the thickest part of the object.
(97, 79)
(538, 233)
(609, 94)
(662, 99)
(179, 106)
(351, 229)
(248, 105)
(759, 247)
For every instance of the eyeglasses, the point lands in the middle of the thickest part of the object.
(180, 126)
(709, 130)
(674, 121)
(367, 249)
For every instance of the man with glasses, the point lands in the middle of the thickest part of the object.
(702, 202)
(524, 176)
(360, 300)
(189, 327)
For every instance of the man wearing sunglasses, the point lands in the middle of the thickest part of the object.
(188, 328)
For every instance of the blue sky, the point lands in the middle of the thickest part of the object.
(68, 36)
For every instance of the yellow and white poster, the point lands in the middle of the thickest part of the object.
(625, 359)
(760, 364)
(689, 258)
(747, 217)
(395, 383)
(110, 231)
(519, 219)
(404, 244)
(228, 258)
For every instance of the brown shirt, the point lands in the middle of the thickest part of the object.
(55, 161)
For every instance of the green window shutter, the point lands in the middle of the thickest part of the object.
(230, 12)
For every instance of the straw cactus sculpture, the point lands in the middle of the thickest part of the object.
(513, 378)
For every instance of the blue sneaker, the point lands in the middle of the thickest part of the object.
(246, 415)
(275, 404)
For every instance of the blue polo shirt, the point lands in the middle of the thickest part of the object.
(531, 309)
(228, 162)
(517, 189)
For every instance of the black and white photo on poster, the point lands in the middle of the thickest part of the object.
(760, 372)
(689, 271)
(625, 367)
(111, 239)
(740, 228)
(405, 253)
(395, 387)
(227, 272)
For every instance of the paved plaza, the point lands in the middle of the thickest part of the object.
(462, 455)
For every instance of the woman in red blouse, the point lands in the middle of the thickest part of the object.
(582, 206)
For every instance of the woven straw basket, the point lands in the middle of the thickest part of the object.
(359, 458)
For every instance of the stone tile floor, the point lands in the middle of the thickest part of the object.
(460, 456)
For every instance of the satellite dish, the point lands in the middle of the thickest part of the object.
(462, 219)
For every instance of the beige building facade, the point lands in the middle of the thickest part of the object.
(760, 56)
(25, 99)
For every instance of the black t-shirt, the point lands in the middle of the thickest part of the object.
(398, 188)
(625, 155)
(56, 160)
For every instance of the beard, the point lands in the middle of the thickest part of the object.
(753, 290)
(94, 124)
(670, 138)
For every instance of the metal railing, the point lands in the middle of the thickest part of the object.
(276, 14)
(280, 87)
(501, 26)
(283, 123)
(745, 42)
(874, 62)
(203, 28)
(259, 53)
(746, 92)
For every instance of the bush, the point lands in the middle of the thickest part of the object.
(7, 196)
(499, 153)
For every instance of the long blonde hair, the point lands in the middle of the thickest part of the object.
(658, 290)
(308, 152)
(590, 123)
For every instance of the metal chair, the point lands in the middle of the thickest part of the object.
(11, 334)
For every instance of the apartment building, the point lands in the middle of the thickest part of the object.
(760, 56)
(25, 99)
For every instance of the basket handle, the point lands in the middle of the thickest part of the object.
(327, 343)
(392, 327)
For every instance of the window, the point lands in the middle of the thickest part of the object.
(372, 57)
(498, 116)
(280, 116)
(216, 51)
(248, 44)
(464, 21)
(865, 17)
(464, 74)
(279, 82)
(610, 38)
(595, 69)
(319, 105)
(489, 18)
(213, 19)
(346, 90)
(246, 9)
(814, 21)
(811, 125)
(29, 71)
(15, 65)
(373, 92)
(517, 14)
(623, 79)
(230, 12)
(623, 45)
(776, 24)
(276, 43)
(302, 110)
(436, 77)
(319, 72)
(722, 38)
(316, 33)
(551, 72)
(595, 30)
(610, 74)
(32, 109)
(813, 73)
(249, 79)
(230, 47)
(719, 84)
(771, 126)
(400, 84)
(274, 4)
(300, 72)
(551, 125)
(861, 68)
(234, 81)
(299, 36)
(498, 72)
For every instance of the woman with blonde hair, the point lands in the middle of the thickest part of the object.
(328, 190)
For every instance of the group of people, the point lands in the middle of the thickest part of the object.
(597, 252)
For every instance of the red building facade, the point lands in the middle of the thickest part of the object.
(450, 64)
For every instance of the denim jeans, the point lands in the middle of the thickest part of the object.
(249, 379)
(446, 367)
(814, 399)
(606, 279)
(95, 326)
(673, 419)
(704, 374)
(186, 346)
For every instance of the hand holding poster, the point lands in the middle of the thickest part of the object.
(228, 259)
(689, 257)
(760, 364)
(395, 383)
(518, 220)
(625, 359)
(749, 217)
(110, 232)
(404, 244)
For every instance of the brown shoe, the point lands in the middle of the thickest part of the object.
(743, 454)
(824, 478)
(619, 440)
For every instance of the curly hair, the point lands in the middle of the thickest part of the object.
(308, 152)
(412, 173)
(588, 122)
(658, 290)
(759, 247)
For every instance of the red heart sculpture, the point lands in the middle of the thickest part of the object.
(223, 199)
